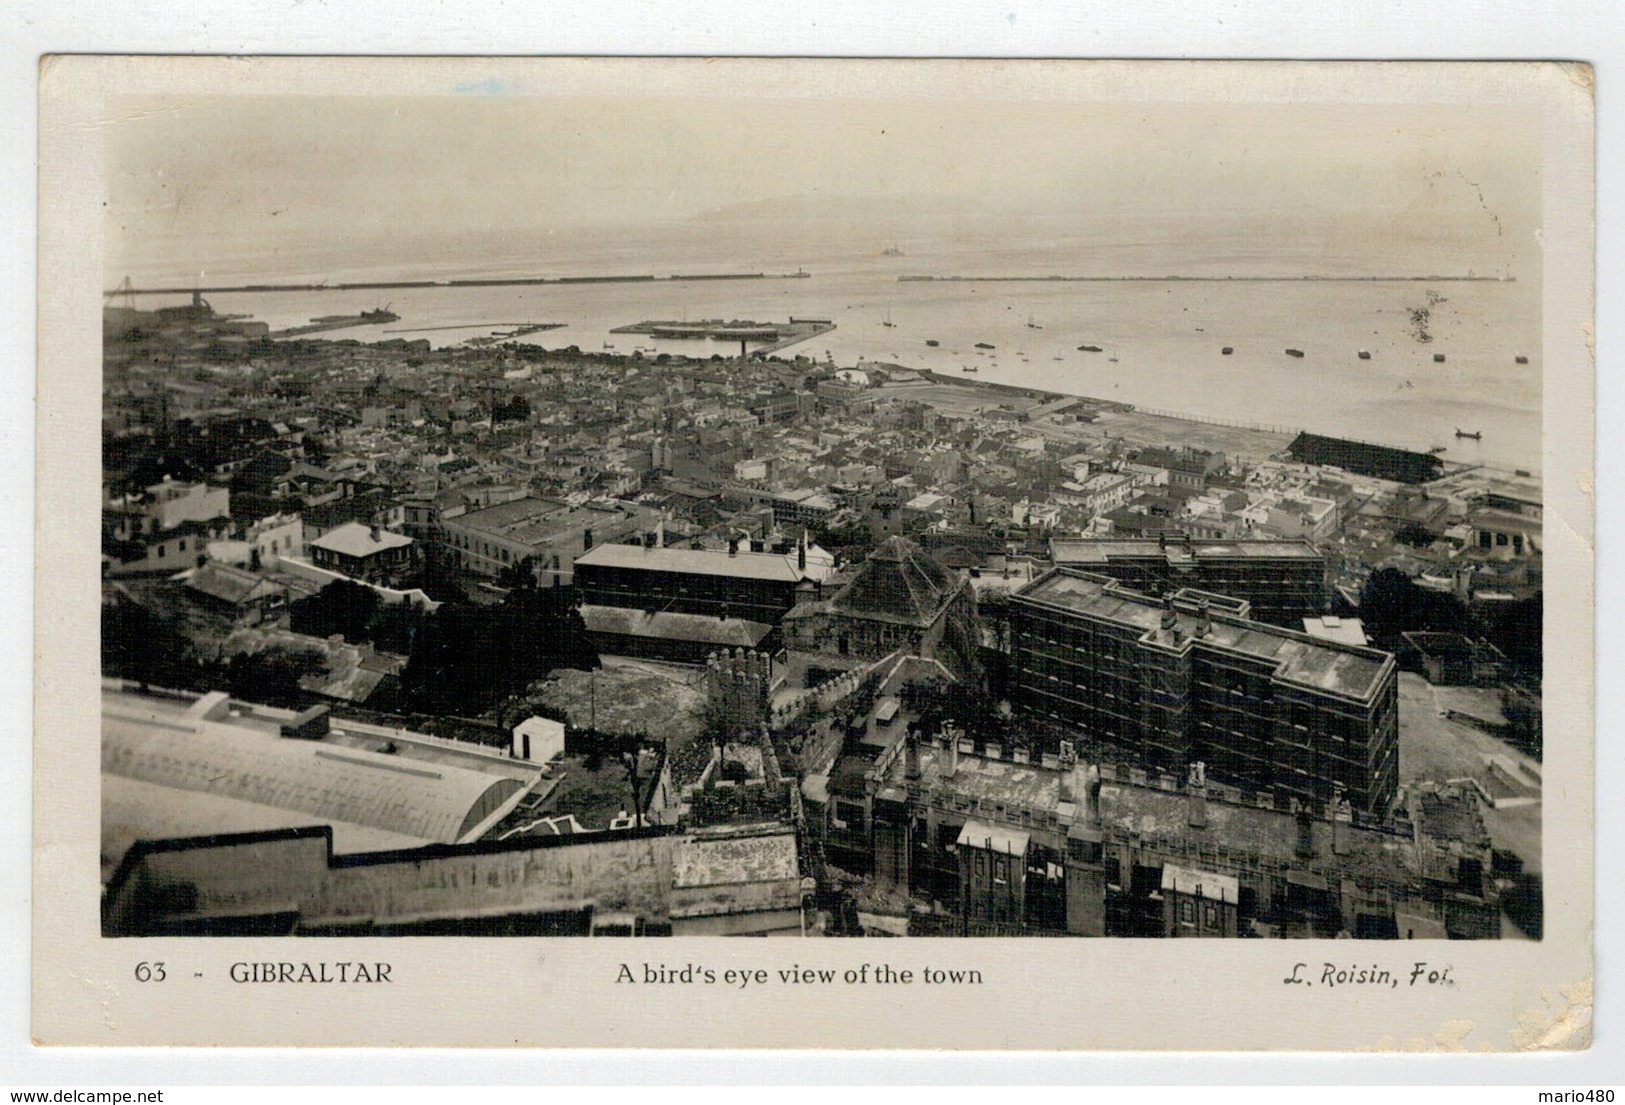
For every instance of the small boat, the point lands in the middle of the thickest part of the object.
(968, 368)
(1364, 354)
(1031, 325)
(1437, 449)
(887, 321)
(932, 342)
(1088, 349)
(1113, 360)
(1520, 359)
(1227, 350)
(985, 345)
(1476, 435)
(1294, 352)
(892, 251)
(1438, 358)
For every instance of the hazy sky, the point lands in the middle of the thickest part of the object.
(197, 178)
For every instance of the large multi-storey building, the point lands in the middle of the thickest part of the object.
(1192, 678)
(736, 583)
(1016, 843)
(683, 604)
(1283, 581)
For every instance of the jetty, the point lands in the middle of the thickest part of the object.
(769, 336)
(338, 322)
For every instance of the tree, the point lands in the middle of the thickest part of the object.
(962, 704)
(395, 625)
(1515, 629)
(343, 607)
(467, 658)
(520, 574)
(271, 676)
(1391, 604)
(1417, 537)
(436, 578)
(142, 647)
(516, 409)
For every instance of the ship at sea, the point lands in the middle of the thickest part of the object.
(376, 315)
(892, 251)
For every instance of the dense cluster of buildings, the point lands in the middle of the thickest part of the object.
(968, 667)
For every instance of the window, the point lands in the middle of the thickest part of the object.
(1187, 912)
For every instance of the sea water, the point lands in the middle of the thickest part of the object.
(1161, 340)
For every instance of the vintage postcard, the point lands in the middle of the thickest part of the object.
(1059, 544)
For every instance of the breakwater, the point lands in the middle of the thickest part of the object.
(475, 282)
(1172, 279)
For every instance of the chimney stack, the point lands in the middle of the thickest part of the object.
(1306, 829)
(911, 750)
(733, 546)
(1204, 622)
(1196, 803)
(376, 537)
(586, 539)
(1342, 822)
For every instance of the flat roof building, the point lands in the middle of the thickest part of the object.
(625, 882)
(551, 534)
(1282, 580)
(1186, 679)
(1024, 844)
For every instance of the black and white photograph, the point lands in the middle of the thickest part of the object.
(830, 500)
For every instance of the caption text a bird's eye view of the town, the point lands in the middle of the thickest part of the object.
(719, 512)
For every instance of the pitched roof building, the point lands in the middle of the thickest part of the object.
(902, 598)
(362, 551)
